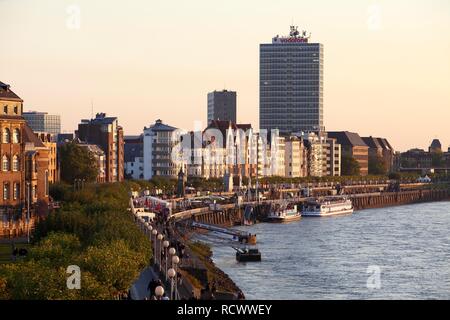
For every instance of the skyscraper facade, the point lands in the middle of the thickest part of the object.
(291, 84)
(43, 122)
(222, 106)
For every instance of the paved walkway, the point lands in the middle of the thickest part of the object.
(139, 289)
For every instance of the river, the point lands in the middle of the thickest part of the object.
(391, 253)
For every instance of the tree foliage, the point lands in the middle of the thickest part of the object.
(77, 163)
(350, 167)
(377, 165)
(92, 230)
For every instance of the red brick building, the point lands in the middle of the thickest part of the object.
(24, 174)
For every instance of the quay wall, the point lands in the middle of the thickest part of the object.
(380, 200)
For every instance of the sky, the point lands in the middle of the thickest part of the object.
(386, 71)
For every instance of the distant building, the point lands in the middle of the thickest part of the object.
(53, 164)
(296, 158)
(159, 141)
(380, 147)
(222, 106)
(108, 135)
(323, 155)
(24, 174)
(43, 122)
(291, 84)
(63, 138)
(353, 146)
(134, 157)
(435, 147)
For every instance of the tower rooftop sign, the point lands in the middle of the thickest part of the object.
(294, 37)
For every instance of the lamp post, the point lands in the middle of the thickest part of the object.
(172, 273)
(175, 261)
(28, 210)
(159, 292)
(146, 229)
(166, 244)
(160, 237)
(154, 233)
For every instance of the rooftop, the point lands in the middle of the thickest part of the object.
(7, 94)
(347, 138)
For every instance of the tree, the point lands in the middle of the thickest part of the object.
(77, 163)
(350, 167)
(377, 165)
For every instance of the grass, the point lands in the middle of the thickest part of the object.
(5, 251)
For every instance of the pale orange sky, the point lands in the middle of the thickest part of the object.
(387, 63)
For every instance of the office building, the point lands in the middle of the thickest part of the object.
(43, 122)
(291, 84)
(222, 106)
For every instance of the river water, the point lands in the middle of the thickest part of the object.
(390, 253)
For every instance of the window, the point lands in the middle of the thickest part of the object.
(16, 136)
(34, 195)
(5, 163)
(6, 136)
(46, 183)
(6, 191)
(16, 163)
(16, 191)
(16, 109)
(5, 109)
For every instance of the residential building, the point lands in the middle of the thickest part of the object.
(381, 148)
(49, 142)
(296, 161)
(43, 122)
(134, 157)
(24, 175)
(291, 84)
(160, 140)
(353, 146)
(108, 135)
(323, 154)
(222, 106)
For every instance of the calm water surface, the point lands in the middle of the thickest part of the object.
(328, 258)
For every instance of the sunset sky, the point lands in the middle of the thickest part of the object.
(387, 63)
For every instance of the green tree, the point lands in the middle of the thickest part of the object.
(350, 167)
(77, 163)
(377, 165)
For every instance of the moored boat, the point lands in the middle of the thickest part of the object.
(325, 207)
(284, 214)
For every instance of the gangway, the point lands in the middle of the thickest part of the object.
(242, 236)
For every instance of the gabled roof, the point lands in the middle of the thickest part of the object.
(30, 137)
(7, 94)
(372, 142)
(346, 138)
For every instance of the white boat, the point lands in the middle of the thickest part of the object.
(284, 214)
(327, 207)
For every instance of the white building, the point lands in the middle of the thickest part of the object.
(160, 143)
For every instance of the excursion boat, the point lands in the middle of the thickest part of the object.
(284, 214)
(248, 255)
(327, 207)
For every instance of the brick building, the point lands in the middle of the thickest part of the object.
(352, 145)
(24, 175)
(106, 133)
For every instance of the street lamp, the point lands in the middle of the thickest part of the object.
(159, 292)
(28, 210)
(160, 237)
(172, 273)
(166, 244)
(175, 261)
(154, 233)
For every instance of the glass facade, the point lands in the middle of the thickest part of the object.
(43, 122)
(291, 87)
